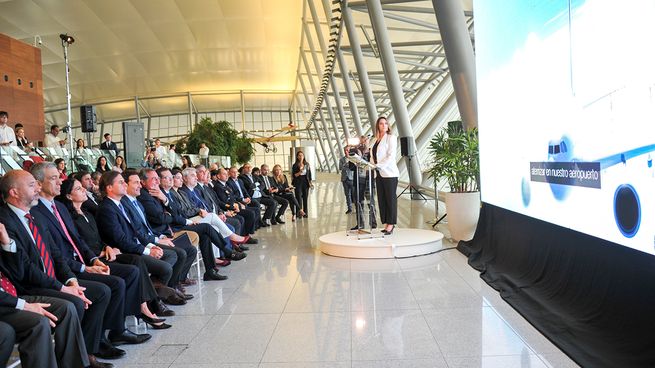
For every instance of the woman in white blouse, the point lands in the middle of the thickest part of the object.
(383, 155)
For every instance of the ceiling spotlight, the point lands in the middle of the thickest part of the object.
(66, 38)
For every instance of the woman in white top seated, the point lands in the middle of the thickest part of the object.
(383, 155)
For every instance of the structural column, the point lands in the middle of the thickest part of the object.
(393, 84)
(358, 57)
(315, 92)
(459, 54)
(354, 112)
(317, 65)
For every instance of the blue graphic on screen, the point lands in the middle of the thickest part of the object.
(571, 85)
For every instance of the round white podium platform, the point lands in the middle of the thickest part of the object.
(402, 243)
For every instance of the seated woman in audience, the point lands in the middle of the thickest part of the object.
(61, 167)
(102, 166)
(22, 142)
(72, 196)
(186, 162)
(286, 192)
(119, 164)
(80, 146)
(150, 160)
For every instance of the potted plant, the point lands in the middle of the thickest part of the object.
(455, 159)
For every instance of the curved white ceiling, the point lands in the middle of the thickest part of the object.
(125, 48)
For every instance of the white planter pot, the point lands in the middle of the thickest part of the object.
(463, 211)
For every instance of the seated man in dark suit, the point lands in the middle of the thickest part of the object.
(122, 231)
(255, 190)
(230, 203)
(244, 184)
(123, 281)
(241, 195)
(46, 271)
(163, 213)
(27, 320)
(180, 205)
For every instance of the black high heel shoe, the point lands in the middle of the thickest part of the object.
(389, 232)
(147, 319)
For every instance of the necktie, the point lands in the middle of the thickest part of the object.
(198, 200)
(120, 207)
(169, 196)
(236, 183)
(268, 185)
(90, 196)
(41, 247)
(68, 236)
(7, 286)
(139, 209)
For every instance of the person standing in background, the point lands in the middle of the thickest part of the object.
(302, 180)
(7, 135)
(160, 151)
(383, 155)
(347, 179)
(108, 145)
(203, 154)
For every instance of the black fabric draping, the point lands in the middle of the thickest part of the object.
(591, 298)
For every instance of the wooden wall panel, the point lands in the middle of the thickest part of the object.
(21, 95)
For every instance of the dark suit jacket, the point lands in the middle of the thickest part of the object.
(116, 231)
(90, 206)
(41, 213)
(110, 146)
(143, 232)
(235, 186)
(225, 195)
(262, 184)
(249, 184)
(304, 179)
(210, 195)
(198, 191)
(7, 300)
(185, 207)
(28, 261)
(159, 216)
(88, 229)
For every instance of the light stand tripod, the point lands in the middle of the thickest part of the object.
(412, 188)
(66, 41)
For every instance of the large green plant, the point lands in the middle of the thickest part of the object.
(455, 157)
(220, 138)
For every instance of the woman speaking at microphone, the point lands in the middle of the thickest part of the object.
(383, 156)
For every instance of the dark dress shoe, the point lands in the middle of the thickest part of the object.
(264, 225)
(108, 351)
(279, 220)
(147, 319)
(273, 221)
(349, 211)
(128, 337)
(160, 326)
(237, 256)
(305, 215)
(188, 282)
(174, 300)
(252, 241)
(160, 309)
(241, 248)
(183, 295)
(94, 363)
(355, 228)
(213, 275)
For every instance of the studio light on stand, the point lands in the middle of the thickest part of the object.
(66, 41)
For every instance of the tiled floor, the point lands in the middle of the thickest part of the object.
(287, 305)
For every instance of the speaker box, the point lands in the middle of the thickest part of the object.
(406, 146)
(88, 118)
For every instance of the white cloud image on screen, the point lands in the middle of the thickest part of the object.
(589, 83)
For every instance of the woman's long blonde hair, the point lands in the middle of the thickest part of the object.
(280, 178)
